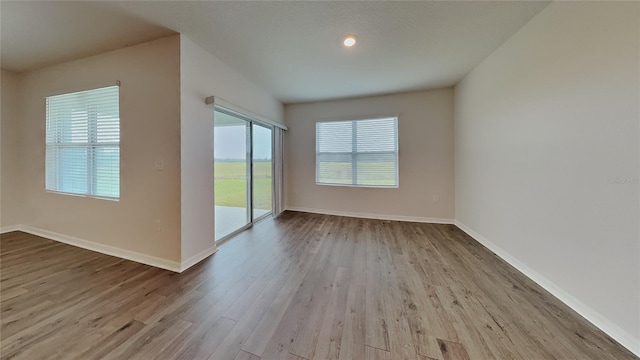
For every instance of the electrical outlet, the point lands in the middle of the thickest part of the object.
(160, 165)
(158, 224)
(436, 198)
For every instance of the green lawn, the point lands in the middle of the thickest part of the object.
(231, 184)
(369, 173)
(238, 169)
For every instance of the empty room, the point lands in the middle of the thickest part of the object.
(380, 180)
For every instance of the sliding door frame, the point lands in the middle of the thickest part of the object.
(250, 203)
(272, 130)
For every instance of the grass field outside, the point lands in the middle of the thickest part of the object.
(231, 179)
(370, 173)
(230, 186)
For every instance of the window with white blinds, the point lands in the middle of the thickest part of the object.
(357, 152)
(83, 143)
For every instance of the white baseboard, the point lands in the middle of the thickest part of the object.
(198, 257)
(372, 216)
(154, 261)
(10, 228)
(625, 338)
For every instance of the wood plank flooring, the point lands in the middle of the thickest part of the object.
(302, 286)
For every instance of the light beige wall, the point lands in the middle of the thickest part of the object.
(150, 131)
(547, 157)
(10, 189)
(203, 75)
(425, 135)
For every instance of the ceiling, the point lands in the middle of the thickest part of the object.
(292, 49)
(34, 34)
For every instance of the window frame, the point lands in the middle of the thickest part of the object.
(354, 153)
(92, 145)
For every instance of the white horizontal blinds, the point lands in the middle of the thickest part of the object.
(377, 152)
(357, 152)
(83, 142)
(333, 152)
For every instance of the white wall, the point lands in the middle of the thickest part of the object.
(150, 131)
(203, 75)
(425, 135)
(10, 189)
(542, 126)
(163, 87)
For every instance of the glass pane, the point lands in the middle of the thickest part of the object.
(72, 170)
(262, 165)
(334, 169)
(377, 169)
(231, 173)
(107, 173)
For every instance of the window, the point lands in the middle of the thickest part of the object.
(83, 143)
(357, 152)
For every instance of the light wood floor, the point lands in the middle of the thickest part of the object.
(300, 287)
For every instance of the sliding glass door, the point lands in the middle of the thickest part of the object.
(262, 170)
(242, 172)
(231, 173)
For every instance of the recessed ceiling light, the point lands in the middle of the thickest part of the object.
(349, 40)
